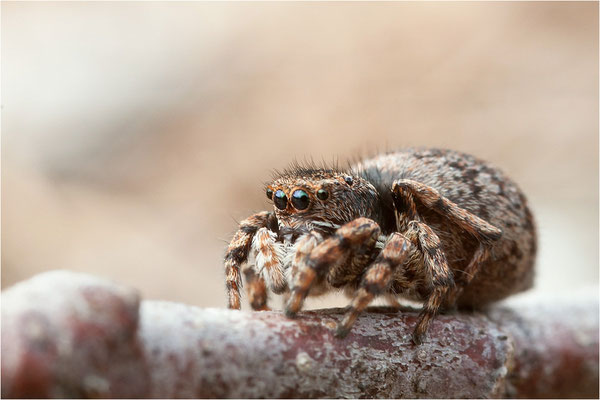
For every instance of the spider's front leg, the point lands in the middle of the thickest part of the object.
(315, 260)
(268, 264)
(257, 289)
(238, 250)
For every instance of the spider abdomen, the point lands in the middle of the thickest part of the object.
(481, 189)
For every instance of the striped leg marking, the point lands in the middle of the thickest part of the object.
(267, 264)
(332, 251)
(375, 280)
(305, 246)
(237, 254)
(483, 231)
(438, 273)
(431, 198)
(257, 289)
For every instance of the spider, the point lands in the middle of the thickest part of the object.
(436, 226)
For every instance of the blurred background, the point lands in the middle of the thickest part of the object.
(134, 135)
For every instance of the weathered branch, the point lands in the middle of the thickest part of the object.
(72, 335)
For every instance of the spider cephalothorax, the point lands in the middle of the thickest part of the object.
(436, 226)
(320, 199)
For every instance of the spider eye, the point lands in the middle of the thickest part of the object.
(280, 200)
(348, 180)
(322, 194)
(269, 194)
(300, 199)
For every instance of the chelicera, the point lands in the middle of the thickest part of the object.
(436, 226)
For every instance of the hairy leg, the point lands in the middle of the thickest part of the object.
(305, 246)
(431, 198)
(481, 255)
(331, 252)
(237, 254)
(351, 270)
(405, 190)
(393, 301)
(257, 289)
(437, 271)
(267, 263)
(376, 279)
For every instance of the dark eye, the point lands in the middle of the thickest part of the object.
(322, 194)
(300, 200)
(348, 180)
(280, 200)
(269, 194)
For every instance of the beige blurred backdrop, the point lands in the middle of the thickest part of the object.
(134, 135)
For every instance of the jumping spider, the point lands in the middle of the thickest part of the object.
(437, 226)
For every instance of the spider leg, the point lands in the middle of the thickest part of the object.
(332, 251)
(393, 301)
(431, 198)
(237, 254)
(305, 245)
(376, 280)
(481, 255)
(257, 289)
(267, 262)
(437, 272)
(483, 231)
(345, 273)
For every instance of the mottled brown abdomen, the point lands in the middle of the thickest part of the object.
(480, 189)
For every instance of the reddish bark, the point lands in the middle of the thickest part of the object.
(72, 335)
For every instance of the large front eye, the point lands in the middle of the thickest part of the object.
(300, 200)
(280, 200)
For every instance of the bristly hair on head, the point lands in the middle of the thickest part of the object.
(308, 168)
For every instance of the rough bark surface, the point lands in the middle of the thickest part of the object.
(72, 335)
